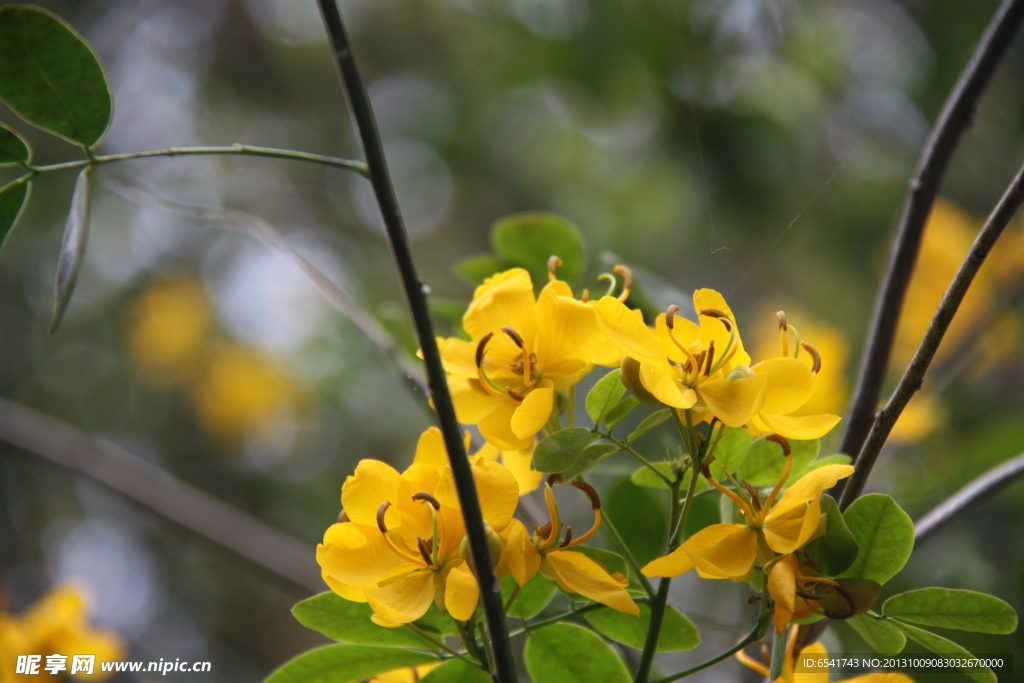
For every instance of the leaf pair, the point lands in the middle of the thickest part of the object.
(527, 241)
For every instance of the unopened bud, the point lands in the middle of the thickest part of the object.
(741, 372)
(493, 542)
(629, 371)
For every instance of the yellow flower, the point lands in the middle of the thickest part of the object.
(406, 675)
(523, 350)
(519, 463)
(815, 651)
(57, 624)
(550, 553)
(170, 324)
(399, 544)
(704, 368)
(780, 525)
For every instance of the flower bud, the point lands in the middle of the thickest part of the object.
(630, 373)
(493, 541)
(741, 372)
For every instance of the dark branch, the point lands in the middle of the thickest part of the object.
(957, 114)
(415, 292)
(146, 484)
(914, 375)
(974, 494)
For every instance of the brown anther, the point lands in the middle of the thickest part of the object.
(553, 263)
(715, 313)
(782, 441)
(755, 495)
(700, 360)
(380, 516)
(815, 356)
(554, 479)
(568, 537)
(595, 500)
(426, 546)
(711, 358)
(342, 517)
(514, 396)
(423, 495)
(811, 563)
(686, 367)
(706, 468)
(670, 317)
(781, 315)
(481, 346)
(513, 335)
(543, 531)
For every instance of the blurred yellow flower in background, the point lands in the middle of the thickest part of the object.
(407, 675)
(815, 651)
(56, 624)
(170, 326)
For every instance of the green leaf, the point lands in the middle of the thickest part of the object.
(530, 239)
(639, 517)
(349, 622)
(72, 248)
(619, 412)
(346, 663)
(478, 268)
(13, 199)
(532, 598)
(566, 652)
(607, 392)
(731, 451)
(649, 423)
(51, 77)
(561, 450)
(963, 610)
(885, 534)
(591, 455)
(837, 605)
(13, 148)
(880, 634)
(942, 646)
(456, 671)
(765, 463)
(839, 459)
(677, 632)
(438, 622)
(645, 477)
(836, 549)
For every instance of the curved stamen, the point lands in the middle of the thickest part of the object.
(670, 323)
(426, 548)
(784, 443)
(486, 382)
(711, 357)
(627, 281)
(715, 313)
(381, 510)
(783, 328)
(815, 356)
(595, 502)
(424, 496)
(740, 503)
(797, 343)
(568, 537)
(556, 522)
(513, 335)
(553, 263)
(612, 282)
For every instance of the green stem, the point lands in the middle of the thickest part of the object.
(623, 446)
(755, 635)
(504, 667)
(566, 615)
(628, 554)
(441, 646)
(236, 149)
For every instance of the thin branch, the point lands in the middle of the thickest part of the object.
(146, 484)
(756, 634)
(957, 114)
(416, 294)
(234, 150)
(974, 494)
(914, 375)
(262, 230)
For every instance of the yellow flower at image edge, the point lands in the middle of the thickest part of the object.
(523, 350)
(406, 675)
(57, 624)
(815, 651)
(400, 545)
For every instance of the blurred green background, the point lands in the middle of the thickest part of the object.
(760, 147)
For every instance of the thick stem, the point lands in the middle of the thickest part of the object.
(957, 114)
(914, 375)
(504, 669)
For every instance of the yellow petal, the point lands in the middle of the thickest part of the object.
(403, 600)
(685, 331)
(577, 573)
(497, 426)
(790, 383)
(496, 487)
(488, 452)
(356, 555)
(533, 413)
(789, 527)
(461, 592)
(801, 428)
(813, 484)
(506, 302)
(415, 516)
(734, 401)
(458, 356)
(519, 555)
(520, 464)
(373, 483)
(782, 586)
(569, 331)
(816, 675)
(626, 328)
(350, 593)
(714, 329)
(675, 563)
(661, 380)
(430, 449)
(722, 551)
(407, 675)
